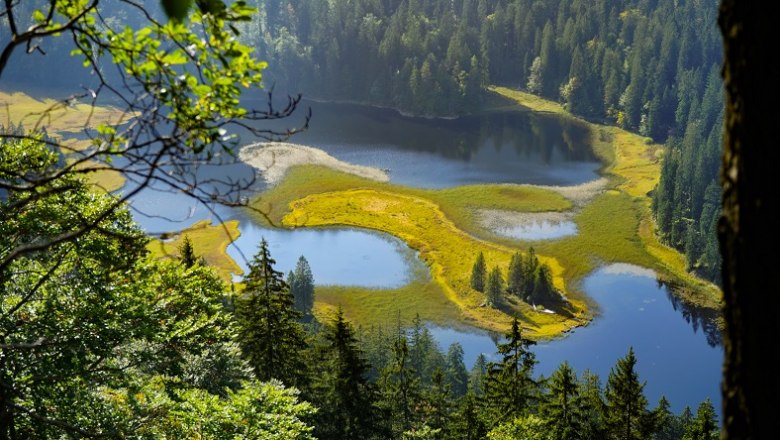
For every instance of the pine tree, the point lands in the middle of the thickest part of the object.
(479, 273)
(626, 404)
(560, 408)
(272, 340)
(301, 283)
(187, 252)
(344, 396)
(495, 287)
(509, 384)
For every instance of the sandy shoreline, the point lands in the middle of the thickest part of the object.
(273, 159)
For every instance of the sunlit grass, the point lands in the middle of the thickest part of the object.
(208, 241)
(366, 306)
(62, 121)
(448, 251)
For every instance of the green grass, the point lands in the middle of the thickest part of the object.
(366, 306)
(209, 241)
(459, 203)
(447, 250)
(634, 163)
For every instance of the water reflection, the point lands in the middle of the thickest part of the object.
(507, 146)
(676, 346)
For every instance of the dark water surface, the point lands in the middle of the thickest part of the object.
(494, 147)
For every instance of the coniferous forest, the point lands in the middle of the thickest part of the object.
(650, 66)
(100, 338)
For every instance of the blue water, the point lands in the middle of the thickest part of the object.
(674, 350)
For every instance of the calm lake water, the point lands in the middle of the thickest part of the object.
(678, 351)
(676, 347)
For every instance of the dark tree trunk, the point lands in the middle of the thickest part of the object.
(747, 229)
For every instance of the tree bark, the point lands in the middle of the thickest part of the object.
(750, 196)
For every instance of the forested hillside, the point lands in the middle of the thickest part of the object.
(649, 66)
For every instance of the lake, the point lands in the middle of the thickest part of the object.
(676, 347)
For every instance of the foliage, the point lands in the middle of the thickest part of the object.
(345, 397)
(528, 427)
(627, 415)
(301, 283)
(510, 388)
(495, 287)
(479, 273)
(271, 337)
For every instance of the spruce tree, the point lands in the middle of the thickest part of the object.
(272, 340)
(187, 252)
(468, 423)
(592, 408)
(477, 375)
(455, 373)
(667, 425)
(495, 287)
(479, 273)
(301, 283)
(626, 403)
(509, 385)
(560, 408)
(400, 388)
(344, 396)
(516, 277)
(705, 425)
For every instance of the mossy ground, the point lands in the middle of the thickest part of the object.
(208, 241)
(64, 121)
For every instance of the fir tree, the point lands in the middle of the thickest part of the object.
(344, 395)
(560, 408)
(667, 425)
(187, 252)
(271, 338)
(592, 408)
(510, 386)
(516, 277)
(467, 423)
(455, 374)
(705, 425)
(495, 287)
(477, 375)
(479, 273)
(401, 391)
(626, 404)
(301, 283)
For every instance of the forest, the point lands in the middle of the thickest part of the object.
(99, 339)
(648, 66)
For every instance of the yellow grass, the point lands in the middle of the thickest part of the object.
(61, 121)
(367, 306)
(448, 251)
(635, 163)
(208, 241)
(55, 116)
